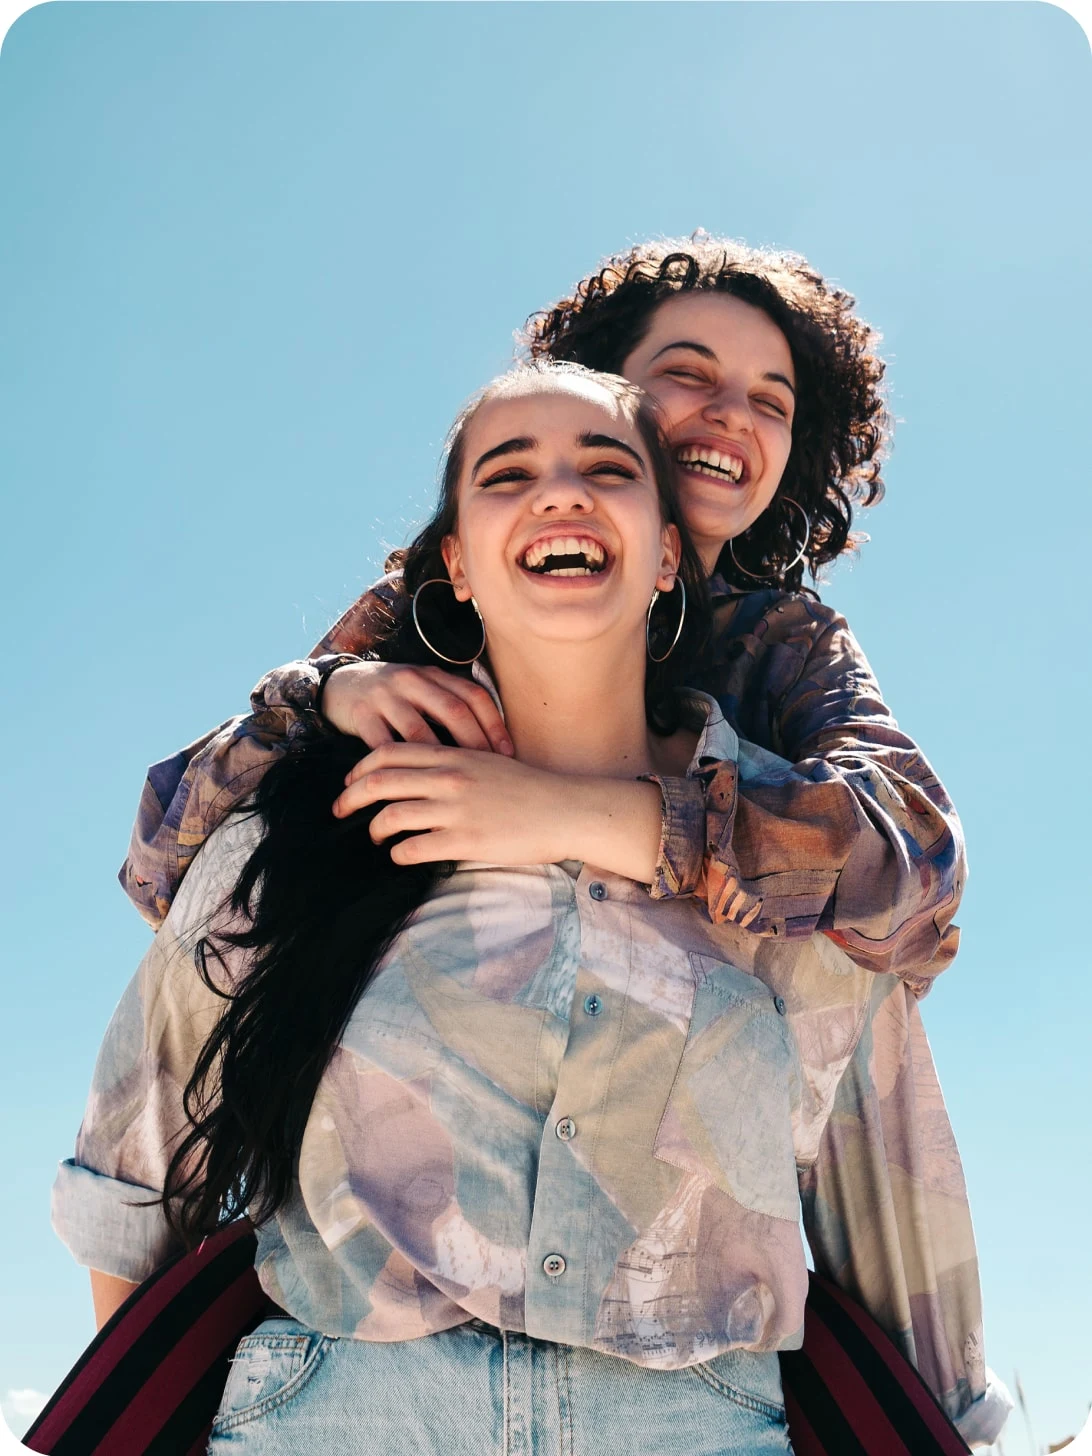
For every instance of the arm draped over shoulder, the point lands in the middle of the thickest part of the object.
(833, 819)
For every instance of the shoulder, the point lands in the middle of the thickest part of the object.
(798, 621)
(213, 875)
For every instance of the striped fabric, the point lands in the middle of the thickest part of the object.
(151, 1380)
(850, 1392)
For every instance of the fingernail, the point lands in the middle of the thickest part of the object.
(507, 746)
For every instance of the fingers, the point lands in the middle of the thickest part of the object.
(468, 712)
(409, 726)
(393, 755)
(376, 700)
(372, 782)
(426, 849)
(411, 816)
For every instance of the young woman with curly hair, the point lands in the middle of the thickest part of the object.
(769, 387)
(527, 1149)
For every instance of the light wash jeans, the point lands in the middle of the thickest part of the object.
(473, 1391)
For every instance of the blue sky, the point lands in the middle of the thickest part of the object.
(253, 258)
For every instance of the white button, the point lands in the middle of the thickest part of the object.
(553, 1264)
(566, 1129)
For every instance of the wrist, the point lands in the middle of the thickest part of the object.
(325, 668)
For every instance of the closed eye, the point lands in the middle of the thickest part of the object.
(509, 473)
(611, 467)
(776, 406)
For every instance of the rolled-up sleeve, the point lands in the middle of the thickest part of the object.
(847, 830)
(886, 1212)
(106, 1199)
(118, 1228)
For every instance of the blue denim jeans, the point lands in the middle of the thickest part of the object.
(475, 1391)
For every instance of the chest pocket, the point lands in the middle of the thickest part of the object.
(730, 1111)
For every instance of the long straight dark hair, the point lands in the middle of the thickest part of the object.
(320, 903)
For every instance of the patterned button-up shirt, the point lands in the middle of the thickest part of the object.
(849, 832)
(566, 1108)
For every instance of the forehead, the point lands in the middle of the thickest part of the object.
(734, 330)
(550, 413)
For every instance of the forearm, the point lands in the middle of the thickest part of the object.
(108, 1294)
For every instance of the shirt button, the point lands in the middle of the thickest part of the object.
(566, 1129)
(779, 1002)
(592, 1005)
(597, 890)
(553, 1264)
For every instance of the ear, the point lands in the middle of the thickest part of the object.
(452, 553)
(669, 564)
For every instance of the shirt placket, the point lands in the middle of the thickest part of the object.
(564, 1267)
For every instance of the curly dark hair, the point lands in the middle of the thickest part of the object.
(842, 426)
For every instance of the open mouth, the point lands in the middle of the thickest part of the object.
(565, 556)
(716, 464)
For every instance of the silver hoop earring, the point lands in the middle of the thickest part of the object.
(772, 575)
(678, 630)
(455, 661)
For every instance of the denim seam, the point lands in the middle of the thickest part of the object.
(749, 1402)
(282, 1396)
(506, 1413)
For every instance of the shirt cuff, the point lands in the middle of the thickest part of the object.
(94, 1216)
(682, 837)
(298, 685)
(981, 1423)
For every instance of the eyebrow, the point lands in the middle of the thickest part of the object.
(707, 353)
(507, 447)
(519, 443)
(608, 442)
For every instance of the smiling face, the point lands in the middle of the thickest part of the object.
(560, 535)
(722, 374)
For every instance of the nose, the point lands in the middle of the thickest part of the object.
(729, 407)
(562, 492)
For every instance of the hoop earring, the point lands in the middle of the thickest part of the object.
(678, 630)
(455, 661)
(771, 575)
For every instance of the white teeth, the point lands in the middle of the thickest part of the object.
(721, 464)
(591, 551)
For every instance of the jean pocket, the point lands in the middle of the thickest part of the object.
(723, 1375)
(269, 1367)
(730, 1112)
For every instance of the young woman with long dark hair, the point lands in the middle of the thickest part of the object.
(769, 386)
(527, 1149)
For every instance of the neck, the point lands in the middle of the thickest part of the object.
(577, 709)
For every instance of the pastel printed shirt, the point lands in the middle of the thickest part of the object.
(844, 828)
(568, 1109)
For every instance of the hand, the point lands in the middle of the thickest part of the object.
(459, 804)
(456, 804)
(376, 700)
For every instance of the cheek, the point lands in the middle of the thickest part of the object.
(675, 402)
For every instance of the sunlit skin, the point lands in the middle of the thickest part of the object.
(572, 467)
(722, 374)
(568, 653)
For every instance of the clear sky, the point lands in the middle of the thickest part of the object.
(254, 256)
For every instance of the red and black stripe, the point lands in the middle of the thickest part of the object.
(151, 1380)
(850, 1391)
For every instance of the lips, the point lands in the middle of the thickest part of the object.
(727, 462)
(565, 555)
